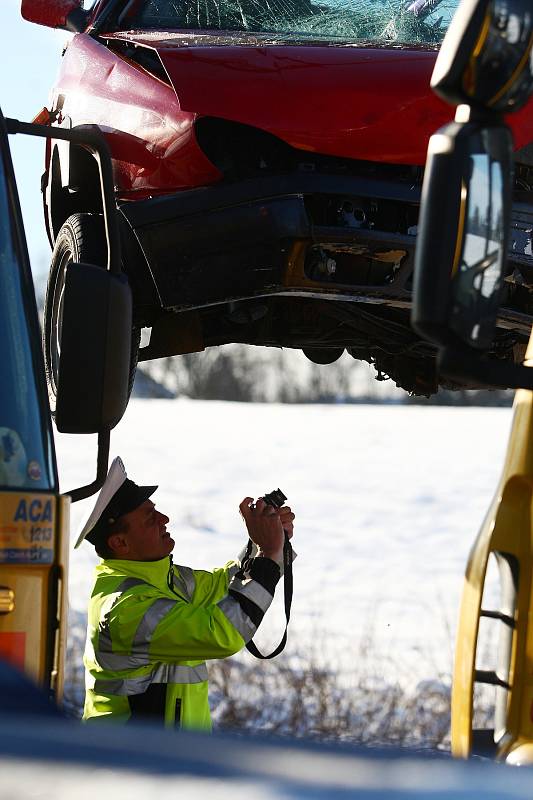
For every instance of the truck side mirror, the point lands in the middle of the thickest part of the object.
(91, 361)
(485, 60)
(67, 14)
(460, 262)
(461, 251)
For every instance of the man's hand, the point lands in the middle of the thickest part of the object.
(266, 525)
(286, 517)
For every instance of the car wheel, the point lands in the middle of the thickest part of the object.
(81, 239)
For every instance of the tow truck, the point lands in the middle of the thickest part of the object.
(485, 69)
(93, 381)
(459, 276)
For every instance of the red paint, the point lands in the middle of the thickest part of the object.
(52, 15)
(13, 648)
(371, 104)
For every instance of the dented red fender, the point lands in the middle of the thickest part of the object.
(151, 139)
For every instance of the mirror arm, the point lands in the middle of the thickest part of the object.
(102, 462)
(89, 137)
(461, 365)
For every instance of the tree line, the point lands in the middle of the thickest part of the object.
(242, 373)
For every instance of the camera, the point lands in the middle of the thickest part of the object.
(275, 498)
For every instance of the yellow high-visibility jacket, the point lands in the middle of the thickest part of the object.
(152, 626)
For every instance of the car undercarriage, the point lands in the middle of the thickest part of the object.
(311, 265)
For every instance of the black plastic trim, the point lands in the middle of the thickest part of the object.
(231, 241)
(193, 201)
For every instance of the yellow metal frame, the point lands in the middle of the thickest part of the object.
(34, 530)
(507, 529)
(57, 677)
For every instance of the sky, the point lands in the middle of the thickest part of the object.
(30, 61)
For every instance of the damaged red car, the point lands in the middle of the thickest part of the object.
(268, 158)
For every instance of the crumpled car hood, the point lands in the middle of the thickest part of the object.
(363, 101)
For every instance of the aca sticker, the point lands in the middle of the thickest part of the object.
(27, 525)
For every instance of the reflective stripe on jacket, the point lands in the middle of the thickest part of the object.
(152, 626)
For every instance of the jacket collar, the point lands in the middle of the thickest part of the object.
(152, 572)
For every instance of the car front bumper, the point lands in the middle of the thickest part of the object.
(237, 241)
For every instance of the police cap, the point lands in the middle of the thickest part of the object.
(118, 496)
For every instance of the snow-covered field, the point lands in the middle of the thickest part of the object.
(388, 499)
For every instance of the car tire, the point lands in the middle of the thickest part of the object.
(81, 239)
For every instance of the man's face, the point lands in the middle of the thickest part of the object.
(146, 537)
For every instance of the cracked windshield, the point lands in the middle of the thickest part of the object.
(409, 22)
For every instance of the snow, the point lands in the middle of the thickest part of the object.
(388, 500)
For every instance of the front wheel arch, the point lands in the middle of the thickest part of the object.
(81, 239)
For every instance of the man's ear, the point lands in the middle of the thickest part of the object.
(119, 544)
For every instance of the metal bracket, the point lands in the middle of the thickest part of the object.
(102, 462)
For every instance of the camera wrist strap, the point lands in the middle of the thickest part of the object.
(287, 590)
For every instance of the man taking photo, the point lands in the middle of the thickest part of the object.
(151, 624)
